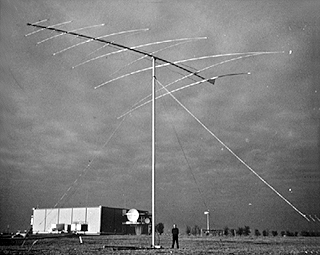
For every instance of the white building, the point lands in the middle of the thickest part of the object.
(88, 220)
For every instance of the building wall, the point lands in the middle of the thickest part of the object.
(39, 220)
(112, 220)
(94, 220)
(65, 215)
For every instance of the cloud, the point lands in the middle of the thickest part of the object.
(54, 124)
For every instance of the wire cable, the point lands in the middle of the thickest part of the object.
(235, 155)
(186, 159)
(83, 172)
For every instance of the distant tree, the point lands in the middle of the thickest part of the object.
(288, 233)
(159, 228)
(240, 231)
(226, 231)
(265, 232)
(274, 233)
(312, 233)
(308, 233)
(196, 230)
(257, 232)
(188, 230)
(246, 230)
(304, 233)
(233, 232)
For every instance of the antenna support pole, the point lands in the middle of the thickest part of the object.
(153, 150)
(208, 220)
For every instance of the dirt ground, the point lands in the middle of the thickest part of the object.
(188, 245)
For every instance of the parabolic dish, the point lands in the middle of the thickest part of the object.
(133, 215)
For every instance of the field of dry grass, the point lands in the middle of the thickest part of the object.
(188, 245)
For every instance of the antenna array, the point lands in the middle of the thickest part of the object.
(157, 63)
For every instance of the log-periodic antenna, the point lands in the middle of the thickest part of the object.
(155, 59)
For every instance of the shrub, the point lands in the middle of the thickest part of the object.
(196, 230)
(159, 228)
(246, 230)
(240, 231)
(265, 232)
(188, 230)
(226, 231)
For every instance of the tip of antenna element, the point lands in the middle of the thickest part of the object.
(306, 217)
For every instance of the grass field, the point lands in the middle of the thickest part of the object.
(188, 245)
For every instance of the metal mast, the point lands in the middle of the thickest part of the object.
(153, 150)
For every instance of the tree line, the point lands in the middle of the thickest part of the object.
(246, 231)
(242, 231)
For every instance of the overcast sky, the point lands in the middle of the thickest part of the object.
(55, 128)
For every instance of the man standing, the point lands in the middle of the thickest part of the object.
(175, 234)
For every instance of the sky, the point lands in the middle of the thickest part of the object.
(62, 144)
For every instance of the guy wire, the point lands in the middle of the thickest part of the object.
(185, 156)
